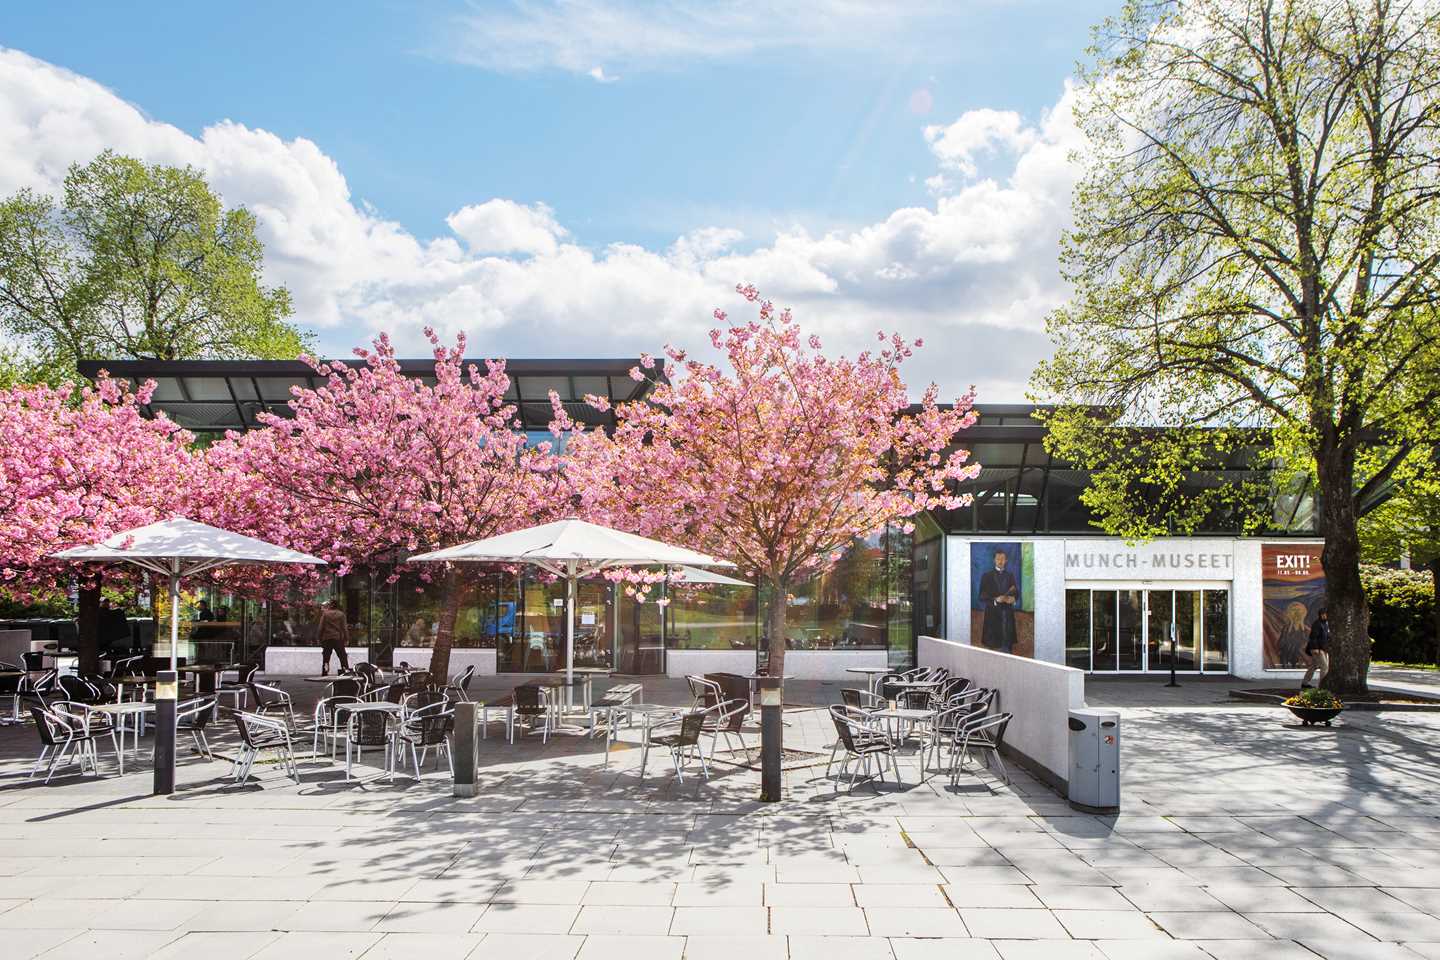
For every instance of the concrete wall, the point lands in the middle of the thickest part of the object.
(305, 661)
(684, 663)
(1039, 695)
(801, 664)
(460, 658)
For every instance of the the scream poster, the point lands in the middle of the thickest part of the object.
(1294, 589)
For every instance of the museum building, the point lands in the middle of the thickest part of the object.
(1021, 569)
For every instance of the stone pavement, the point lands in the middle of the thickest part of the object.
(1242, 836)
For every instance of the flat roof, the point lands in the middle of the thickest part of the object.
(215, 395)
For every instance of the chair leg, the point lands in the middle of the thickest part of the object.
(39, 761)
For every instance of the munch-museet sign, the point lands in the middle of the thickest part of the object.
(1160, 560)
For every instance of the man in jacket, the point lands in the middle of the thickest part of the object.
(333, 632)
(1318, 649)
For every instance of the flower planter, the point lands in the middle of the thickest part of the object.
(1309, 716)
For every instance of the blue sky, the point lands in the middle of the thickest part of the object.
(757, 130)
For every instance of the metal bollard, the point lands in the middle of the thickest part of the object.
(166, 691)
(465, 750)
(772, 727)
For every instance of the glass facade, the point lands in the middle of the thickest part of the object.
(1135, 630)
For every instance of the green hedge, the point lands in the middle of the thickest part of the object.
(1402, 618)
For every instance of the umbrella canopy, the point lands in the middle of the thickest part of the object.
(197, 546)
(685, 575)
(572, 549)
(572, 544)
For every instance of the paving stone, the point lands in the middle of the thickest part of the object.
(112, 945)
(1151, 949)
(744, 894)
(341, 916)
(804, 947)
(725, 947)
(624, 921)
(1209, 926)
(999, 896)
(1109, 925)
(809, 895)
(1255, 950)
(430, 918)
(1048, 950)
(899, 895)
(624, 947)
(1076, 897)
(526, 918)
(818, 921)
(940, 948)
(230, 945)
(527, 946)
(993, 924)
(890, 921)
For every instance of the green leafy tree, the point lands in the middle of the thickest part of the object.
(1407, 524)
(135, 260)
(1254, 261)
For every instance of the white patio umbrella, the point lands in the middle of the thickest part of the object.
(684, 575)
(572, 549)
(180, 548)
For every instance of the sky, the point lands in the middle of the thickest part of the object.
(594, 177)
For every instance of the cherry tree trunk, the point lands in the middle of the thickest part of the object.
(1344, 593)
(451, 595)
(775, 630)
(87, 624)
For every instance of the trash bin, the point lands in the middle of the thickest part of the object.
(1095, 760)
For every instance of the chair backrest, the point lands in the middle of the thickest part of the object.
(993, 728)
(345, 687)
(242, 725)
(952, 686)
(328, 705)
(851, 697)
(247, 673)
(431, 729)
(369, 672)
(841, 719)
(691, 726)
(705, 692)
(78, 689)
(257, 696)
(369, 728)
(732, 685)
(10, 684)
(52, 729)
(199, 711)
(419, 701)
(105, 691)
(529, 700)
(463, 681)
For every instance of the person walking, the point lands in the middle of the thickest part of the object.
(1318, 649)
(333, 632)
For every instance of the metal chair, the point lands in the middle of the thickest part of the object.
(951, 718)
(327, 721)
(259, 733)
(528, 702)
(427, 727)
(861, 699)
(192, 717)
(60, 732)
(681, 743)
(10, 687)
(238, 690)
(368, 728)
(985, 734)
(459, 687)
(863, 742)
(270, 701)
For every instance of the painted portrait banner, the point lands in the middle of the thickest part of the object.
(1002, 596)
(1294, 592)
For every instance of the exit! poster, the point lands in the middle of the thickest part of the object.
(1294, 591)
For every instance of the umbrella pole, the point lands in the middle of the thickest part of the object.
(165, 697)
(570, 628)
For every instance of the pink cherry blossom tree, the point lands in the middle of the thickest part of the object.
(77, 466)
(375, 465)
(778, 462)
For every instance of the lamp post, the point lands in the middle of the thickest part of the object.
(772, 705)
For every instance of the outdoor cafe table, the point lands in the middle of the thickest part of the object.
(584, 679)
(118, 712)
(872, 674)
(650, 714)
(205, 675)
(900, 718)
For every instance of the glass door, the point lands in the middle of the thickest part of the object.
(1130, 626)
(1134, 631)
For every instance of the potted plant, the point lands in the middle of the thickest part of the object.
(1315, 706)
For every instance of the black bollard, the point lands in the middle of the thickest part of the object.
(165, 694)
(464, 752)
(1173, 682)
(772, 727)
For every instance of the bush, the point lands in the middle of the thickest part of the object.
(1402, 613)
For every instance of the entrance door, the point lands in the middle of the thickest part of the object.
(1136, 630)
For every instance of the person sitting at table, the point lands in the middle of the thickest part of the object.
(203, 613)
(333, 632)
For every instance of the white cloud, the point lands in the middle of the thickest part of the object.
(574, 35)
(973, 274)
(599, 75)
(976, 133)
(504, 226)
